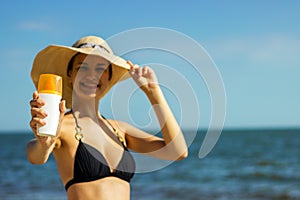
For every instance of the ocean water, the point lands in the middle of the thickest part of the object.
(245, 164)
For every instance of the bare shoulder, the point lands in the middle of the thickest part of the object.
(131, 131)
(119, 125)
(124, 127)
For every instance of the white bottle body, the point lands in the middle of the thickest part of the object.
(52, 108)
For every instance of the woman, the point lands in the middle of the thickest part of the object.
(96, 163)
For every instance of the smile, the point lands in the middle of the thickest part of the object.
(89, 86)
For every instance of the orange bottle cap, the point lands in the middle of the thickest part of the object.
(50, 83)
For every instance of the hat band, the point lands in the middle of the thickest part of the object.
(92, 45)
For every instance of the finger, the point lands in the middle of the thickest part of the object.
(145, 70)
(37, 112)
(139, 70)
(62, 106)
(130, 63)
(36, 121)
(35, 95)
(36, 103)
(135, 71)
(32, 125)
(131, 67)
(62, 109)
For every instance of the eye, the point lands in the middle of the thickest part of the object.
(83, 67)
(100, 69)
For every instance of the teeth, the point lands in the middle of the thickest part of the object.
(89, 85)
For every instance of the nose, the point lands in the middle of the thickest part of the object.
(94, 72)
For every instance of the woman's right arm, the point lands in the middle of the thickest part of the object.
(39, 149)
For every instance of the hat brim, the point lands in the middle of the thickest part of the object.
(54, 59)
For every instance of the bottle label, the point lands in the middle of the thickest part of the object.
(52, 108)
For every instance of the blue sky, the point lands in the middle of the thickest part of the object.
(255, 45)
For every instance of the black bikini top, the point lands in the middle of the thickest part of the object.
(90, 164)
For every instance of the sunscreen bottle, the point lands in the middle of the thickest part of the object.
(50, 91)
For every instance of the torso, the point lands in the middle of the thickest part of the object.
(105, 143)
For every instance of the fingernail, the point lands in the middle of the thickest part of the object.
(42, 122)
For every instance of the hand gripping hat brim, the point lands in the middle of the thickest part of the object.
(54, 59)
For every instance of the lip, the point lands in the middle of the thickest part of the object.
(90, 86)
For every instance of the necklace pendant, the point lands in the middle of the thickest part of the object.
(121, 139)
(78, 134)
(124, 142)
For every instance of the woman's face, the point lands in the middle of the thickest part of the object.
(89, 75)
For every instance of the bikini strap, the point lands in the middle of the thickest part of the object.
(78, 134)
(116, 132)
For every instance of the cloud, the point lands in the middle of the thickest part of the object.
(33, 26)
(268, 50)
(277, 48)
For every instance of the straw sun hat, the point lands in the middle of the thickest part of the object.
(54, 59)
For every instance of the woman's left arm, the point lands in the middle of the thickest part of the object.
(173, 145)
